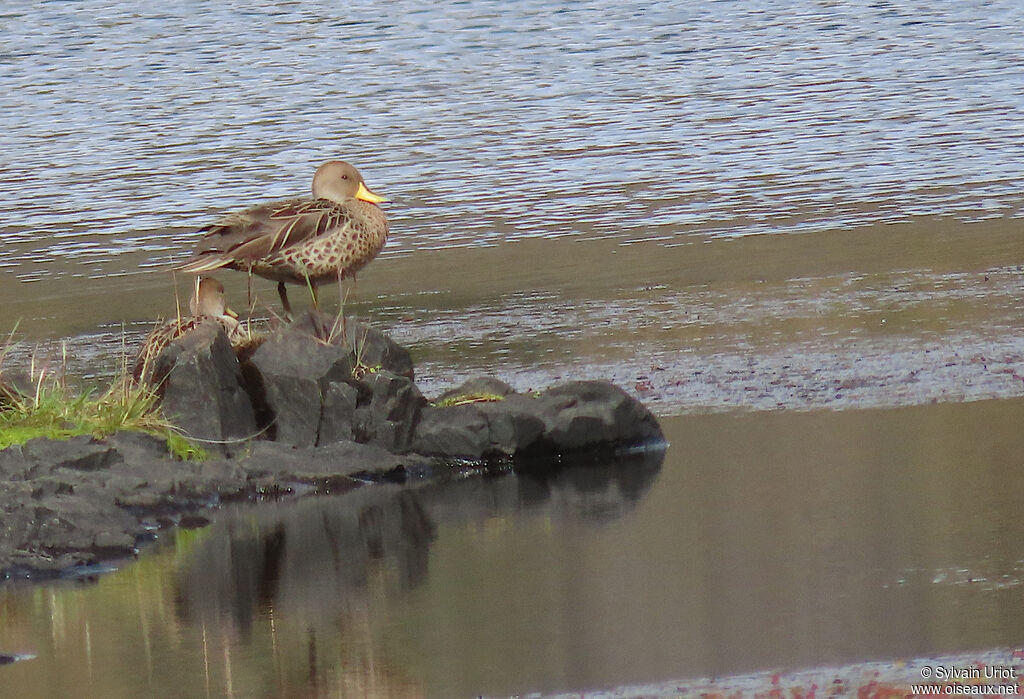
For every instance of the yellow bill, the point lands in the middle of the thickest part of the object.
(366, 195)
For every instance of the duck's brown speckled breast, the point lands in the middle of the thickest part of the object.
(339, 252)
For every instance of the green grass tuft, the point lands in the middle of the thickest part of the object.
(184, 450)
(54, 410)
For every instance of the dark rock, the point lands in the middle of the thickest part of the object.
(370, 347)
(282, 463)
(340, 400)
(457, 431)
(389, 417)
(319, 385)
(53, 517)
(480, 430)
(82, 453)
(374, 349)
(14, 465)
(572, 417)
(291, 366)
(136, 446)
(588, 414)
(46, 487)
(62, 530)
(201, 386)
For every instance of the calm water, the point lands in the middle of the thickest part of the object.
(602, 189)
(895, 533)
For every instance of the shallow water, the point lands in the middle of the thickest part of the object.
(898, 315)
(741, 212)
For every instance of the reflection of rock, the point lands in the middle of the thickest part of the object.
(302, 583)
(602, 489)
(323, 560)
(286, 557)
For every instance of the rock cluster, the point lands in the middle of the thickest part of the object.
(310, 384)
(313, 409)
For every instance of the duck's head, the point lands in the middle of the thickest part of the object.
(208, 299)
(340, 182)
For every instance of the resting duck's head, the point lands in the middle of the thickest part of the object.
(208, 299)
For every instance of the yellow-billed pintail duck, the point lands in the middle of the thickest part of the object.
(207, 303)
(300, 241)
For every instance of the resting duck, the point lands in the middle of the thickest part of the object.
(207, 303)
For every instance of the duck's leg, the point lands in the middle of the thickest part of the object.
(283, 293)
(341, 308)
(325, 332)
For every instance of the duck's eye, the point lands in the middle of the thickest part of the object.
(344, 177)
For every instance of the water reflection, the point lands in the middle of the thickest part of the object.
(322, 578)
(309, 579)
(375, 542)
(283, 560)
(298, 599)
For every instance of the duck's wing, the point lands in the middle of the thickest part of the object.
(243, 237)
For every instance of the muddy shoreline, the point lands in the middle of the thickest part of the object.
(995, 672)
(800, 322)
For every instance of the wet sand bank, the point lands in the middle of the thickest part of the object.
(882, 316)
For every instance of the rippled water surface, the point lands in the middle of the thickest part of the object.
(123, 129)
